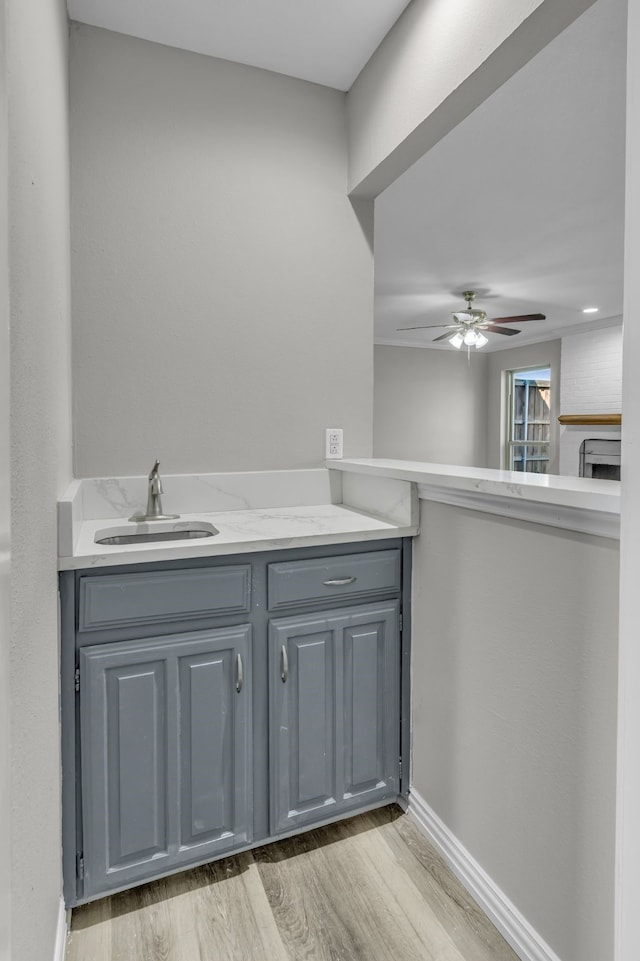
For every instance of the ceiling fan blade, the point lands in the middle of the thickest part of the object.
(429, 327)
(502, 330)
(442, 337)
(517, 320)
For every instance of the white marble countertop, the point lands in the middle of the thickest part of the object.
(581, 493)
(240, 532)
(252, 511)
(348, 501)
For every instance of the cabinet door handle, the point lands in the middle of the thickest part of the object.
(239, 673)
(284, 673)
(340, 581)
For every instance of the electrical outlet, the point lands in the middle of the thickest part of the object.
(333, 442)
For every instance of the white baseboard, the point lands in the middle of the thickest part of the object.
(515, 929)
(61, 934)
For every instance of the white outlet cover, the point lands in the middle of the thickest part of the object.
(333, 442)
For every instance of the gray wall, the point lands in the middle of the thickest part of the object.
(5, 503)
(514, 712)
(531, 355)
(430, 405)
(628, 851)
(433, 405)
(223, 284)
(40, 453)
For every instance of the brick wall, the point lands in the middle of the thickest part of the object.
(591, 379)
(590, 383)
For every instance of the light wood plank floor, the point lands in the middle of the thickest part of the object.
(367, 889)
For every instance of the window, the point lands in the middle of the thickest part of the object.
(529, 424)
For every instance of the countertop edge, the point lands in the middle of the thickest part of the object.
(197, 550)
(577, 493)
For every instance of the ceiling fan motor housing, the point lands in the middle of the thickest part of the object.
(470, 316)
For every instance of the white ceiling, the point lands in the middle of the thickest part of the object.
(523, 201)
(324, 41)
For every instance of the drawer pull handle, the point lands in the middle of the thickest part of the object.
(239, 673)
(339, 581)
(284, 673)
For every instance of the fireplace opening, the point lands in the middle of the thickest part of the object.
(600, 458)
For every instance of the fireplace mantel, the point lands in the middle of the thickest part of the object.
(599, 419)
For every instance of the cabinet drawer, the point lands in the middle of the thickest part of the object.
(124, 600)
(351, 575)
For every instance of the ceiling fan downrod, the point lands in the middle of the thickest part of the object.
(469, 296)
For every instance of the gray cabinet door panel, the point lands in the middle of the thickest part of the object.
(334, 720)
(136, 738)
(313, 746)
(207, 747)
(303, 721)
(166, 753)
(371, 704)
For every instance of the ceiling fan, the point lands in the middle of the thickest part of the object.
(469, 324)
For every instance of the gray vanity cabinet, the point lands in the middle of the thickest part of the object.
(212, 704)
(334, 712)
(165, 753)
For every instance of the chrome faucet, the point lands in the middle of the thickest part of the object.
(154, 510)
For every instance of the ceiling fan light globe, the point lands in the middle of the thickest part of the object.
(470, 338)
(481, 340)
(457, 340)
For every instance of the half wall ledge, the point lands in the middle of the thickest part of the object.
(583, 504)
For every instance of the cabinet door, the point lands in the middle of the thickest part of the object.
(334, 712)
(371, 701)
(166, 753)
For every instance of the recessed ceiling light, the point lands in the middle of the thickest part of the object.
(590, 310)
